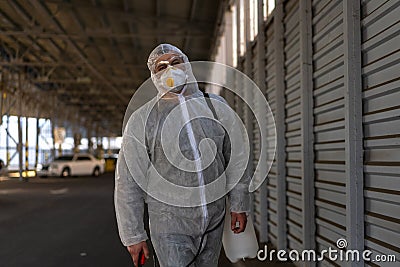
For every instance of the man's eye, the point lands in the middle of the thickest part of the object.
(161, 67)
(175, 62)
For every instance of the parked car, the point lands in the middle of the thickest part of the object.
(78, 164)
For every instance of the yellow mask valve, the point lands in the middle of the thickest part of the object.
(170, 82)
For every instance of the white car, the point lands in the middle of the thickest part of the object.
(78, 164)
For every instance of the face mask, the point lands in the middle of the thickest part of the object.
(171, 79)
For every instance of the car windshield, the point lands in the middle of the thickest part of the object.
(64, 158)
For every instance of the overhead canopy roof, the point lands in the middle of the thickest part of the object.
(93, 53)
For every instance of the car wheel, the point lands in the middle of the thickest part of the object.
(65, 172)
(96, 172)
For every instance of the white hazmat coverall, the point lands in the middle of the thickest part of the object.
(149, 166)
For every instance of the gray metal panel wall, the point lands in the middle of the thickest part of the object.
(293, 123)
(256, 139)
(336, 122)
(329, 123)
(271, 96)
(381, 120)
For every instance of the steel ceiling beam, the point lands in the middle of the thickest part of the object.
(191, 17)
(82, 27)
(99, 34)
(157, 22)
(113, 42)
(67, 64)
(21, 45)
(146, 19)
(44, 10)
(77, 50)
(16, 6)
(15, 25)
(134, 40)
(29, 20)
(83, 83)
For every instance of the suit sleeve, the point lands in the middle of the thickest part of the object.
(128, 195)
(239, 196)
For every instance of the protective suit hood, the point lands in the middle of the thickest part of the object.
(162, 49)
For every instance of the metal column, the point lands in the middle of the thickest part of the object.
(238, 31)
(229, 95)
(19, 145)
(238, 51)
(307, 135)
(248, 95)
(353, 130)
(89, 137)
(53, 149)
(3, 97)
(26, 146)
(8, 142)
(261, 84)
(280, 125)
(109, 145)
(76, 133)
(37, 141)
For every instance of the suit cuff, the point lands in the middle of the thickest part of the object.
(134, 240)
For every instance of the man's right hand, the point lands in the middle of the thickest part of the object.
(134, 250)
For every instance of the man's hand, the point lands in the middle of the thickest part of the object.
(238, 222)
(134, 250)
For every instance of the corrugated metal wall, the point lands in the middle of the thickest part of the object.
(271, 96)
(329, 122)
(330, 116)
(256, 140)
(293, 123)
(381, 117)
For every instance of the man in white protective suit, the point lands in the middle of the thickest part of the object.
(181, 154)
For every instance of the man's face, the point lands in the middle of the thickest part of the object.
(169, 60)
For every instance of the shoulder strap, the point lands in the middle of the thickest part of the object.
(210, 105)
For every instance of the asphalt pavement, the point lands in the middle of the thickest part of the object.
(60, 222)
